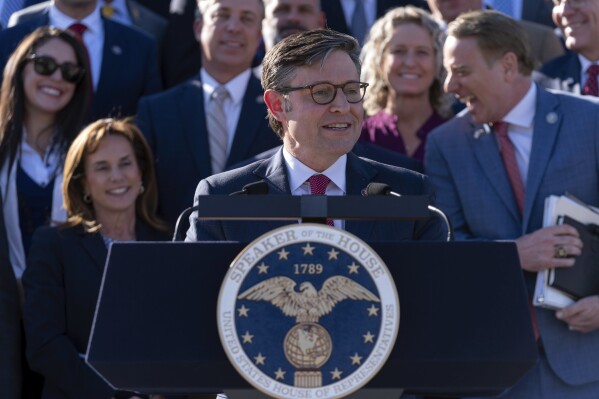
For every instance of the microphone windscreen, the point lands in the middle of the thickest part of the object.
(376, 189)
(256, 188)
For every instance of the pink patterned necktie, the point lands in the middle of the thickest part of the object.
(318, 186)
(591, 88)
(79, 29)
(508, 154)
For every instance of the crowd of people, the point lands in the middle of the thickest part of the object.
(114, 118)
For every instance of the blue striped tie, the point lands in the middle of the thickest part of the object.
(359, 26)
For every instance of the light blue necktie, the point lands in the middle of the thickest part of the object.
(359, 26)
(7, 7)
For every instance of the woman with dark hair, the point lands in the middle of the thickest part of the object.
(43, 101)
(402, 61)
(110, 194)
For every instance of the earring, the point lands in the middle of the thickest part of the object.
(141, 188)
(87, 198)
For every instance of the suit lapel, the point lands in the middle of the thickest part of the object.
(192, 114)
(487, 154)
(274, 172)
(546, 128)
(571, 70)
(359, 175)
(249, 122)
(95, 248)
(111, 70)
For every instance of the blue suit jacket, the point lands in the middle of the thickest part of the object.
(174, 124)
(473, 189)
(360, 172)
(129, 65)
(562, 73)
(62, 282)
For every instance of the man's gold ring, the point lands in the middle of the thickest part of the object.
(559, 251)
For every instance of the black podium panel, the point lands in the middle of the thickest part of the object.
(464, 320)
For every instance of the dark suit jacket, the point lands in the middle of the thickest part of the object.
(62, 282)
(538, 11)
(562, 73)
(174, 124)
(10, 320)
(361, 149)
(181, 57)
(141, 17)
(360, 172)
(129, 65)
(336, 18)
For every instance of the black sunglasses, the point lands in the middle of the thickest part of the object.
(45, 65)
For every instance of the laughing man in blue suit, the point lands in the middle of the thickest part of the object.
(556, 141)
(124, 60)
(175, 122)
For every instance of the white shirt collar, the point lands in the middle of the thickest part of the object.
(236, 86)
(523, 113)
(299, 172)
(93, 21)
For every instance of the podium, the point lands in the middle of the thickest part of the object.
(464, 321)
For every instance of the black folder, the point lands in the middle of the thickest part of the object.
(582, 279)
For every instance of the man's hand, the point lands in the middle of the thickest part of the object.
(582, 316)
(537, 250)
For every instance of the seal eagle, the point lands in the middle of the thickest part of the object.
(307, 304)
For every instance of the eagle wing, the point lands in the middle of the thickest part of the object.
(277, 290)
(337, 288)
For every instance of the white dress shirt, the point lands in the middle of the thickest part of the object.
(299, 173)
(521, 128)
(93, 37)
(232, 105)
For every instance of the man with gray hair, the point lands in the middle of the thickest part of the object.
(215, 120)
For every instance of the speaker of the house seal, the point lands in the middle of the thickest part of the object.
(308, 311)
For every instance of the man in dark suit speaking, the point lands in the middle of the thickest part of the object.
(314, 99)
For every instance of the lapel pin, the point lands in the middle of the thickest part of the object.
(485, 129)
(551, 117)
(117, 50)
(260, 99)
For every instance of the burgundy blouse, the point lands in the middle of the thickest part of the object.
(381, 129)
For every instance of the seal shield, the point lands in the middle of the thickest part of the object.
(308, 311)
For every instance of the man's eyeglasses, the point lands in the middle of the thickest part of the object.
(45, 65)
(324, 92)
(572, 3)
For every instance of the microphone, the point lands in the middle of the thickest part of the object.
(256, 188)
(384, 189)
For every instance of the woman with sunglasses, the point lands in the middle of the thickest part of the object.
(110, 194)
(43, 101)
